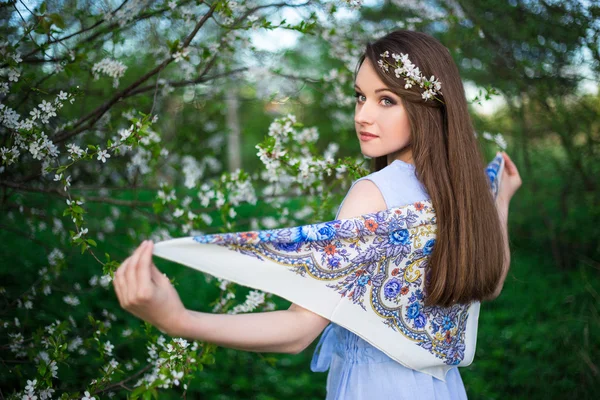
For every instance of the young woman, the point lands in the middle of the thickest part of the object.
(423, 147)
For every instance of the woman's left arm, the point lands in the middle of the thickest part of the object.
(502, 207)
(511, 182)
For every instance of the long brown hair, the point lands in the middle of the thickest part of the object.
(467, 259)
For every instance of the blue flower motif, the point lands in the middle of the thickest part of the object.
(334, 262)
(428, 247)
(288, 246)
(420, 320)
(447, 323)
(413, 310)
(401, 236)
(491, 173)
(267, 235)
(317, 232)
(363, 280)
(392, 288)
(202, 239)
(419, 294)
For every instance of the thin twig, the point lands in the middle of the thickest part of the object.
(57, 192)
(95, 115)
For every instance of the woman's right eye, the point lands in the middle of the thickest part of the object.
(357, 95)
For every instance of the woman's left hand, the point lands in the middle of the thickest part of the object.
(147, 293)
(511, 180)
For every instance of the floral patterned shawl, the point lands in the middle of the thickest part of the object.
(366, 274)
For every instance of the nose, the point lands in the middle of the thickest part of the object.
(364, 114)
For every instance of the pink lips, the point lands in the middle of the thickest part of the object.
(366, 136)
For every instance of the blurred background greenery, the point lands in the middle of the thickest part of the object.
(539, 340)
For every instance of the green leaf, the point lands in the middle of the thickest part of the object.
(69, 69)
(78, 210)
(57, 20)
(92, 242)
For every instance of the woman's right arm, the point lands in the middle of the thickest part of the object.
(282, 331)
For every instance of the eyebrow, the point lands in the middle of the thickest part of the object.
(376, 90)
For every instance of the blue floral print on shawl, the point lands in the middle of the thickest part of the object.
(380, 252)
(377, 260)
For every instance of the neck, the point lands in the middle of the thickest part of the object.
(404, 154)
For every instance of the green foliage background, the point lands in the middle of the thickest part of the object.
(539, 340)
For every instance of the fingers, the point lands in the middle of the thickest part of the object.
(143, 268)
(158, 277)
(513, 178)
(131, 274)
(510, 167)
(119, 282)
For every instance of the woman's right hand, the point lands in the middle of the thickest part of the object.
(511, 180)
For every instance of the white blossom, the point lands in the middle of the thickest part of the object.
(75, 343)
(102, 155)
(46, 394)
(30, 385)
(71, 300)
(192, 171)
(74, 151)
(180, 54)
(13, 75)
(112, 68)
(87, 396)
(108, 347)
(9, 155)
(82, 232)
(253, 300)
(67, 182)
(176, 377)
(105, 280)
(53, 368)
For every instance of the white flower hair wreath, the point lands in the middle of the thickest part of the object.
(412, 75)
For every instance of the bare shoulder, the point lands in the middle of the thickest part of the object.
(363, 198)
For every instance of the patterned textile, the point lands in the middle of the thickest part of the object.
(366, 274)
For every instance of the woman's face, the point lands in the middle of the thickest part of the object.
(380, 112)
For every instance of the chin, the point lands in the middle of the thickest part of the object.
(371, 153)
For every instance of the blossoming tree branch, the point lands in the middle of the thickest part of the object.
(109, 133)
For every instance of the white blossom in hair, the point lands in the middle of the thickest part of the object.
(412, 75)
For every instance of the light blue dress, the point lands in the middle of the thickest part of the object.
(359, 371)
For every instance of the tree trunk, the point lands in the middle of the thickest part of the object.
(234, 156)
